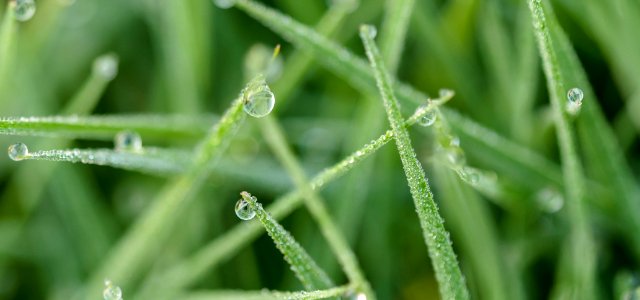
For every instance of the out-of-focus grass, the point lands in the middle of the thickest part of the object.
(60, 222)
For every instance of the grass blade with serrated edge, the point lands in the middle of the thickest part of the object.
(275, 138)
(305, 268)
(265, 294)
(606, 158)
(188, 271)
(105, 127)
(579, 282)
(141, 243)
(445, 264)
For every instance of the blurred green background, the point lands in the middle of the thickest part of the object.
(59, 220)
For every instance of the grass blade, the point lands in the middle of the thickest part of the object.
(581, 256)
(444, 261)
(266, 294)
(306, 269)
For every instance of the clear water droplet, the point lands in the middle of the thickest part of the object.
(428, 119)
(128, 141)
(111, 292)
(18, 151)
(456, 156)
(224, 4)
(23, 10)
(244, 211)
(469, 175)
(575, 95)
(351, 295)
(106, 66)
(258, 99)
(369, 30)
(550, 200)
(446, 93)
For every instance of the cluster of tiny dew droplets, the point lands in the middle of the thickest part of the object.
(258, 98)
(111, 292)
(574, 100)
(18, 151)
(23, 10)
(128, 141)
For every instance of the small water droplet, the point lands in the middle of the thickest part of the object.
(550, 200)
(369, 30)
(428, 119)
(574, 100)
(18, 151)
(24, 9)
(111, 292)
(106, 66)
(244, 211)
(128, 141)
(469, 175)
(225, 4)
(456, 156)
(446, 93)
(258, 99)
(351, 295)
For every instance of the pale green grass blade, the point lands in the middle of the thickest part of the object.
(606, 159)
(140, 245)
(266, 294)
(305, 268)
(8, 32)
(188, 271)
(445, 264)
(472, 224)
(274, 136)
(105, 127)
(579, 281)
(105, 69)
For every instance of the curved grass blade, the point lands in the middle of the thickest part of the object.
(266, 294)
(305, 268)
(445, 264)
(581, 259)
(105, 127)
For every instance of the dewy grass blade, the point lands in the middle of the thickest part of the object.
(581, 259)
(450, 279)
(188, 271)
(305, 268)
(266, 294)
(276, 140)
(105, 127)
(135, 251)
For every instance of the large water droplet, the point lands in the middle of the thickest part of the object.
(128, 141)
(428, 119)
(23, 10)
(259, 100)
(550, 200)
(369, 30)
(106, 66)
(224, 4)
(18, 151)
(244, 211)
(574, 100)
(111, 292)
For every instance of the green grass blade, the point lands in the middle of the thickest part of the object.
(135, 251)
(276, 140)
(188, 271)
(105, 69)
(266, 294)
(305, 268)
(444, 261)
(105, 127)
(580, 280)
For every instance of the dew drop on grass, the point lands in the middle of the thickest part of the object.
(128, 141)
(469, 175)
(456, 156)
(18, 151)
(244, 211)
(550, 200)
(446, 93)
(111, 292)
(369, 30)
(574, 100)
(224, 4)
(259, 100)
(24, 9)
(428, 119)
(106, 66)
(354, 296)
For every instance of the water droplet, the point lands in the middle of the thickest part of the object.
(369, 30)
(106, 66)
(550, 200)
(446, 93)
(469, 175)
(23, 10)
(225, 4)
(18, 151)
(258, 99)
(111, 292)
(428, 119)
(354, 296)
(456, 156)
(244, 211)
(574, 100)
(128, 141)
